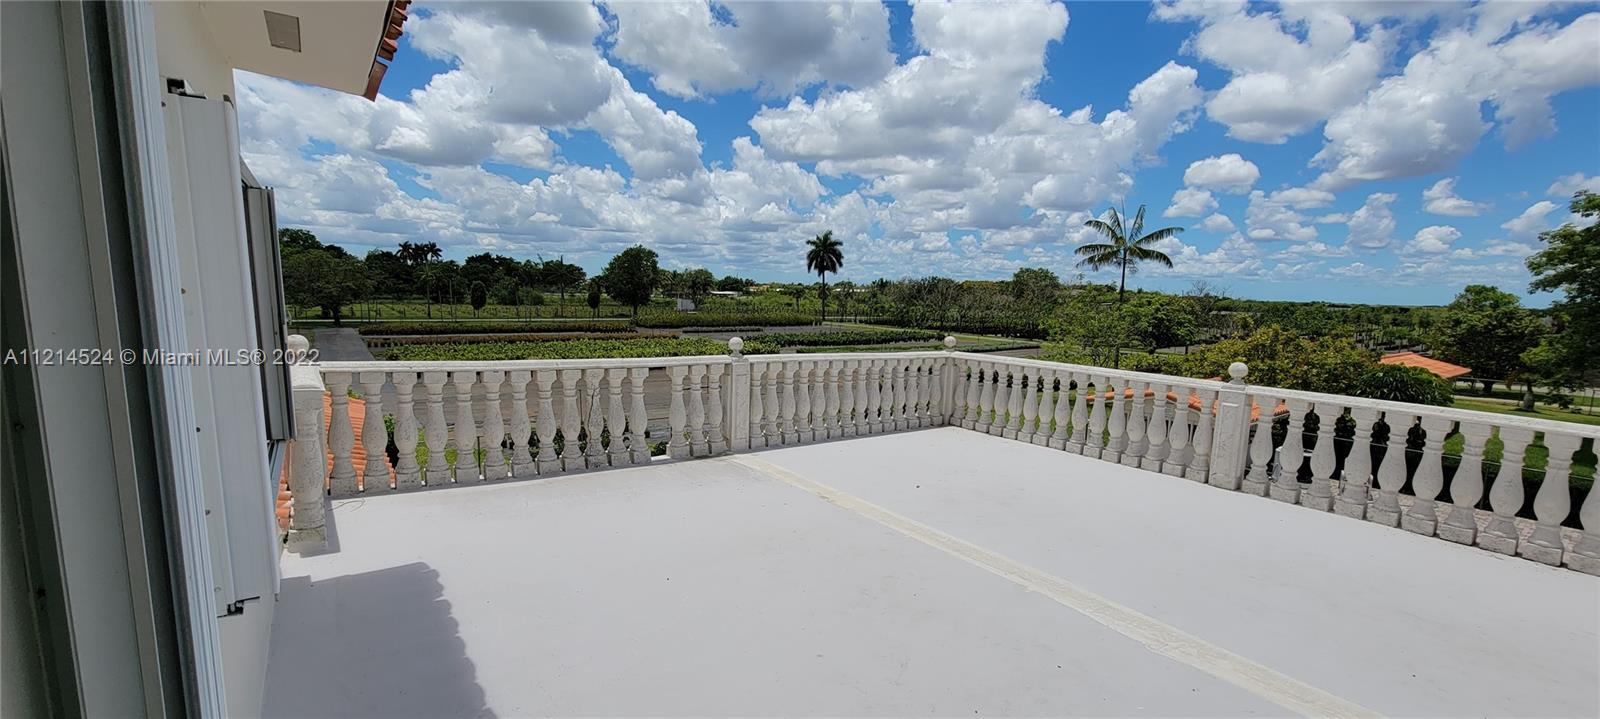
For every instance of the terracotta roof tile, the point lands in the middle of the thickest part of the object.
(1438, 367)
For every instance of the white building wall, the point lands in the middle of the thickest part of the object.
(186, 49)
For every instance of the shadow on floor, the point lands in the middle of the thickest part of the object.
(377, 644)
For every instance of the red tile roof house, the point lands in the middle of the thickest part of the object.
(1439, 367)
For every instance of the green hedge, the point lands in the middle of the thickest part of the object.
(491, 327)
(561, 349)
(848, 337)
(723, 319)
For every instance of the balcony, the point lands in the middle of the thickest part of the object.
(918, 533)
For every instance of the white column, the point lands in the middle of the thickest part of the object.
(677, 446)
(438, 432)
(758, 413)
(875, 397)
(1155, 429)
(835, 409)
(1133, 452)
(1094, 443)
(545, 421)
(1553, 502)
(1116, 421)
(638, 420)
(1204, 435)
(616, 417)
(802, 400)
(856, 376)
(571, 425)
(1178, 434)
(1385, 507)
(1060, 408)
(973, 379)
(494, 431)
(1355, 488)
(593, 417)
(1466, 487)
(407, 475)
(1319, 495)
(374, 437)
(466, 434)
(1286, 485)
(1259, 475)
(790, 404)
(699, 439)
(1429, 478)
(716, 428)
(771, 426)
(341, 436)
(1080, 412)
(1047, 408)
(1227, 449)
(1002, 400)
(521, 461)
(1506, 495)
(307, 462)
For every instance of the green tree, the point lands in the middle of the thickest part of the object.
(594, 298)
(319, 278)
(1088, 330)
(1282, 358)
(1126, 246)
(1156, 320)
(1035, 284)
(563, 277)
(479, 297)
(697, 283)
(630, 278)
(1570, 264)
(417, 254)
(825, 255)
(391, 276)
(294, 238)
(1487, 330)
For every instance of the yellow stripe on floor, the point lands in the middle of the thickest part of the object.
(1159, 637)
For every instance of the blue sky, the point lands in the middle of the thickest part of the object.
(1341, 151)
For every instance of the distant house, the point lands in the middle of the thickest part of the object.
(1439, 367)
(725, 293)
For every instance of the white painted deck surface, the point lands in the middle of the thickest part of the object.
(954, 574)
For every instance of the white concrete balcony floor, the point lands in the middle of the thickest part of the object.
(933, 572)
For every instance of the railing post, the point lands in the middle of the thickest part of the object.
(1231, 433)
(307, 480)
(738, 417)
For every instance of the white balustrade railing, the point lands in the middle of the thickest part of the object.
(430, 424)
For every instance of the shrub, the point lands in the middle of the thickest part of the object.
(563, 349)
(674, 319)
(491, 327)
(1404, 384)
(1280, 358)
(849, 337)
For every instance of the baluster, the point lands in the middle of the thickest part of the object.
(1506, 495)
(1553, 501)
(1385, 507)
(1319, 495)
(1099, 414)
(937, 408)
(1012, 405)
(1428, 480)
(1133, 453)
(1177, 459)
(1466, 488)
(890, 396)
(1116, 421)
(407, 475)
(857, 423)
(494, 431)
(819, 400)
(374, 438)
(521, 427)
(758, 437)
(1585, 555)
(591, 417)
(1002, 400)
(974, 382)
(1060, 410)
(1286, 485)
(545, 423)
(834, 374)
(571, 426)
(873, 422)
(786, 417)
(638, 420)
(1259, 476)
(1080, 411)
(466, 429)
(716, 434)
(1155, 430)
(616, 417)
(917, 387)
(772, 423)
(802, 401)
(1029, 415)
(699, 439)
(699, 443)
(900, 372)
(1200, 459)
(1047, 408)
(677, 446)
(341, 435)
(1357, 479)
(437, 433)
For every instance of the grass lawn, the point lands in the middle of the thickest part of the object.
(1540, 411)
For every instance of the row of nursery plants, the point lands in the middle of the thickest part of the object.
(849, 337)
(564, 349)
(491, 327)
(675, 319)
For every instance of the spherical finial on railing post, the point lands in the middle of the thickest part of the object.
(298, 347)
(1237, 371)
(949, 343)
(736, 347)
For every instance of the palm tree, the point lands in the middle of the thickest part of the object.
(1122, 251)
(826, 255)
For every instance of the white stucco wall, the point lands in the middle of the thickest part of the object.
(186, 49)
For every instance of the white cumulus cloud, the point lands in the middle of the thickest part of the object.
(1227, 173)
(1441, 199)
